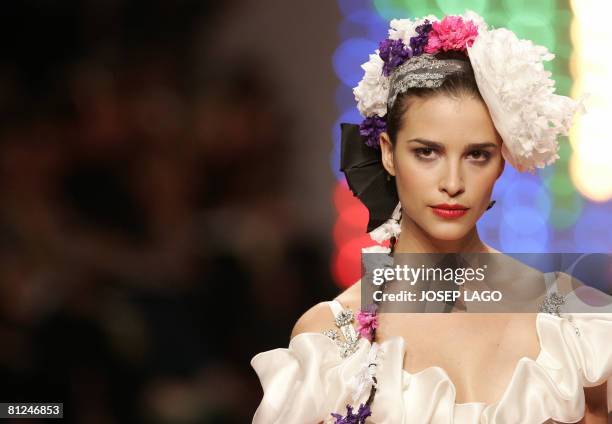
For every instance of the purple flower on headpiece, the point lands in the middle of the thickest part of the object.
(393, 53)
(350, 418)
(418, 42)
(371, 128)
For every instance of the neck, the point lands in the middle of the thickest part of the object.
(414, 239)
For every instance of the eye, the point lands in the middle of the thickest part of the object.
(480, 155)
(424, 152)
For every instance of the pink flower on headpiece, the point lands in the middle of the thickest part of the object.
(452, 33)
(368, 321)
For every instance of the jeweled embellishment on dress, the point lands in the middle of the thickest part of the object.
(343, 322)
(552, 304)
(344, 318)
(332, 333)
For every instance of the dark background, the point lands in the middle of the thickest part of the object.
(166, 203)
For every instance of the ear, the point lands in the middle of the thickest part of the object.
(502, 166)
(386, 149)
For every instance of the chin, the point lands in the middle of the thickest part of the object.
(448, 232)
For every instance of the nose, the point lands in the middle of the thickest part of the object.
(451, 181)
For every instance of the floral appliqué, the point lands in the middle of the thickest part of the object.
(368, 321)
(350, 418)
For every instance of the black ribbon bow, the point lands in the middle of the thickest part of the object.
(366, 176)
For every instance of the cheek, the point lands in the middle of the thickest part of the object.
(413, 176)
(480, 183)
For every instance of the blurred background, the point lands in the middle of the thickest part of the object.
(171, 200)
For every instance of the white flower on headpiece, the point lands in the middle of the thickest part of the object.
(520, 97)
(404, 29)
(478, 20)
(372, 91)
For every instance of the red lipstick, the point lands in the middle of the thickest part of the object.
(449, 211)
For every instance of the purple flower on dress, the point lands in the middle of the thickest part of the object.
(418, 42)
(368, 321)
(393, 53)
(371, 128)
(362, 413)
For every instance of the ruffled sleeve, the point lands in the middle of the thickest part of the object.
(589, 345)
(591, 349)
(576, 352)
(307, 381)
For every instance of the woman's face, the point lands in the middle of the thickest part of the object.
(447, 151)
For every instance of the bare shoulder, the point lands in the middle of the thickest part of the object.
(351, 297)
(314, 320)
(320, 317)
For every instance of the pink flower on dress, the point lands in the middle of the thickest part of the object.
(368, 321)
(452, 33)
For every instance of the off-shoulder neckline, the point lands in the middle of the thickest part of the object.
(516, 369)
(399, 339)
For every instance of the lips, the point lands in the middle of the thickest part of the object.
(449, 211)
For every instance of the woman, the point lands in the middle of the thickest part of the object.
(444, 109)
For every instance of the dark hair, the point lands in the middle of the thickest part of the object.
(454, 85)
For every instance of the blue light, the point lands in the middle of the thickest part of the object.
(334, 162)
(528, 193)
(345, 99)
(351, 29)
(375, 27)
(349, 7)
(502, 184)
(523, 230)
(563, 243)
(348, 58)
(523, 220)
(488, 227)
(592, 232)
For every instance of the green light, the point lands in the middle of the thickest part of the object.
(540, 9)
(563, 18)
(565, 149)
(561, 185)
(400, 9)
(422, 8)
(533, 28)
(392, 9)
(563, 51)
(496, 18)
(458, 7)
(565, 211)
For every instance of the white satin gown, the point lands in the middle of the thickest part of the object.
(310, 379)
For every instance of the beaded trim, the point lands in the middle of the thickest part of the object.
(552, 305)
(422, 71)
(344, 321)
(344, 318)
(332, 333)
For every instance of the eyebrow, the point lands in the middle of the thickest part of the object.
(434, 144)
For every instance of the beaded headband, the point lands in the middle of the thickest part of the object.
(423, 71)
